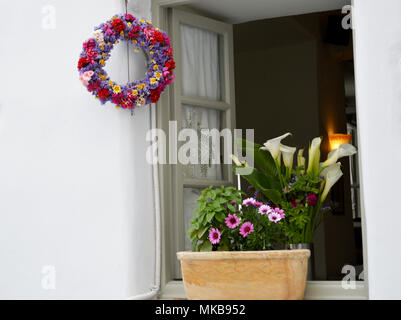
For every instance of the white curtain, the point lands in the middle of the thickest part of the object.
(200, 63)
(200, 78)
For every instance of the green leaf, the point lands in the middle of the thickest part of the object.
(209, 216)
(220, 217)
(262, 158)
(205, 246)
(201, 232)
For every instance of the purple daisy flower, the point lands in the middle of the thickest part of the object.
(258, 204)
(274, 217)
(232, 221)
(248, 201)
(280, 212)
(246, 229)
(214, 236)
(264, 209)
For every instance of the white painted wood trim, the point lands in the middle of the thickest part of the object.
(315, 290)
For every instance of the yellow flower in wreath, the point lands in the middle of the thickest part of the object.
(116, 89)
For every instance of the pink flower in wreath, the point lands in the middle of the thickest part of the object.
(86, 77)
(246, 229)
(91, 55)
(232, 221)
(90, 44)
(148, 33)
(109, 31)
(129, 17)
(169, 79)
(214, 236)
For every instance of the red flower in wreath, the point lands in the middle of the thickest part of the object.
(134, 32)
(93, 86)
(170, 64)
(118, 25)
(82, 62)
(103, 94)
(157, 37)
(154, 95)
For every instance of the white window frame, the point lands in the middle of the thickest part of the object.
(170, 288)
(226, 106)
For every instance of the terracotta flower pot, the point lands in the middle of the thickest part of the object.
(245, 275)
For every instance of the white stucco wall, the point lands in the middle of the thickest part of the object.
(75, 189)
(378, 90)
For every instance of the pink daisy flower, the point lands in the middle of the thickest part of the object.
(246, 229)
(214, 236)
(264, 209)
(274, 217)
(232, 221)
(248, 201)
(280, 212)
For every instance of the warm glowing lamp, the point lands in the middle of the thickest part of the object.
(338, 139)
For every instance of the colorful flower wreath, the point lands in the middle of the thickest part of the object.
(143, 35)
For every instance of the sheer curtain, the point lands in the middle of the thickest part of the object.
(200, 78)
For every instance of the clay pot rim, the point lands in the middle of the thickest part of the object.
(242, 255)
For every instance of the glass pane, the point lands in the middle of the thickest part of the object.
(199, 118)
(200, 63)
(190, 195)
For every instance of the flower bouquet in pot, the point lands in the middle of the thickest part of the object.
(296, 187)
(233, 236)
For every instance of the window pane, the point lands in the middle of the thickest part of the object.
(190, 195)
(198, 119)
(200, 63)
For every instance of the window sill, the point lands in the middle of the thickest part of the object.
(315, 290)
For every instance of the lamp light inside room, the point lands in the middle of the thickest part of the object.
(338, 139)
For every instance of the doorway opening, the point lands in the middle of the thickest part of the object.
(292, 73)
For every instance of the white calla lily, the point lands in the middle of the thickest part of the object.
(301, 159)
(273, 145)
(288, 155)
(237, 162)
(343, 150)
(331, 175)
(314, 156)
